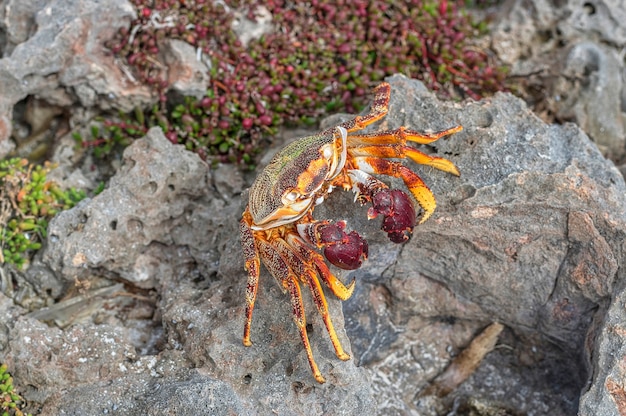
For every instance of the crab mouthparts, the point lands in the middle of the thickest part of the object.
(284, 215)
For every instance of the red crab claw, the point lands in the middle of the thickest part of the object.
(346, 251)
(398, 210)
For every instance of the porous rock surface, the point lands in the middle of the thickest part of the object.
(162, 224)
(572, 54)
(530, 235)
(55, 51)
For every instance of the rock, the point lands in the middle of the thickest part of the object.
(246, 29)
(516, 30)
(61, 59)
(150, 396)
(589, 92)
(567, 57)
(606, 391)
(18, 22)
(187, 76)
(10, 313)
(531, 235)
(603, 18)
(5, 130)
(125, 228)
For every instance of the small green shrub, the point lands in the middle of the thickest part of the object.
(10, 401)
(28, 200)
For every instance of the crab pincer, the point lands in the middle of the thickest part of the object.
(398, 211)
(344, 250)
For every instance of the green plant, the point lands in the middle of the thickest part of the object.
(322, 56)
(10, 401)
(27, 202)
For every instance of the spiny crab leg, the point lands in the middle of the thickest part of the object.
(391, 144)
(285, 264)
(401, 135)
(299, 317)
(282, 272)
(378, 110)
(309, 276)
(252, 265)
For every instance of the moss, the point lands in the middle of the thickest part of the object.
(28, 200)
(11, 403)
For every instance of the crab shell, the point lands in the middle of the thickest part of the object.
(297, 178)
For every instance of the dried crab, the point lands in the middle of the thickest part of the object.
(278, 227)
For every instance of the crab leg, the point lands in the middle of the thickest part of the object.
(279, 267)
(378, 109)
(392, 144)
(400, 135)
(309, 276)
(423, 195)
(398, 151)
(311, 257)
(322, 307)
(252, 265)
(300, 319)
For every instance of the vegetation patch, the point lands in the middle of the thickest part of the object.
(28, 200)
(319, 57)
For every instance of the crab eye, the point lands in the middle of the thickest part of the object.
(291, 196)
(327, 152)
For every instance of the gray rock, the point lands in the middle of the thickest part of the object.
(603, 18)
(186, 75)
(159, 191)
(246, 29)
(17, 22)
(589, 92)
(129, 395)
(41, 57)
(568, 59)
(516, 32)
(606, 392)
(531, 235)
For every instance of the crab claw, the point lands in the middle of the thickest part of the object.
(346, 251)
(399, 213)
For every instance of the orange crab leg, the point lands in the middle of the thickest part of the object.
(309, 276)
(416, 185)
(398, 151)
(311, 257)
(252, 265)
(378, 109)
(279, 268)
(392, 144)
(299, 317)
(322, 307)
(400, 135)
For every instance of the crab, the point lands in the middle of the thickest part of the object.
(278, 228)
